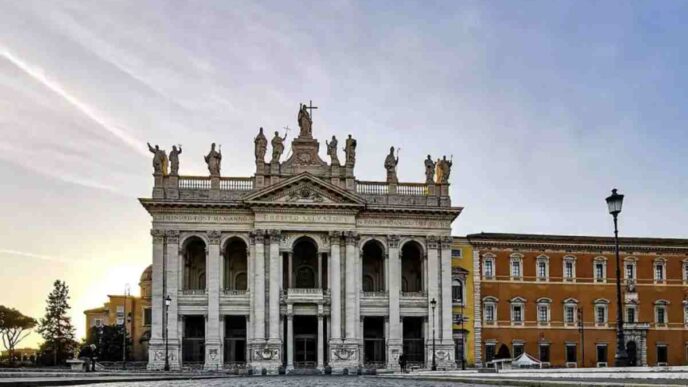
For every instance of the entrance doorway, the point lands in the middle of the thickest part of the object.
(374, 342)
(632, 350)
(235, 340)
(305, 341)
(193, 341)
(414, 341)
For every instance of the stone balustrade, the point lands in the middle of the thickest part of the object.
(193, 292)
(233, 292)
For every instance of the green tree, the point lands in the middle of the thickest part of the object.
(56, 327)
(14, 327)
(108, 342)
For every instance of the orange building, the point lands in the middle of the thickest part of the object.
(116, 310)
(535, 289)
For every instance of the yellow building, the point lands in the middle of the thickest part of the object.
(116, 310)
(462, 300)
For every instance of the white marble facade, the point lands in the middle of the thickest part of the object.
(300, 265)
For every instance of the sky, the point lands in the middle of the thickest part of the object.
(544, 106)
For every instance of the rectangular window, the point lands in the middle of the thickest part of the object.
(542, 269)
(568, 270)
(544, 353)
(457, 293)
(630, 315)
(685, 272)
(662, 353)
(147, 316)
(569, 314)
(489, 352)
(629, 271)
(600, 314)
(601, 353)
(661, 315)
(571, 353)
(97, 322)
(599, 271)
(516, 269)
(518, 316)
(659, 272)
(518, 350)
(542, 313)
(456, 253)
(489, 270)
(489, 313)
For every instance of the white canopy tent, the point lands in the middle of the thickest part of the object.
(526, 361)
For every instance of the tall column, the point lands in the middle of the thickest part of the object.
(321, 338)
(433, 288)
(274, 286)
(173, 257)
(290, 337)
(259, 288)
(394, 341)
(445, 277)
(350, 306)
(156, 351)
(213, 358)
(335, 287)
(291, 266)
(251, 270)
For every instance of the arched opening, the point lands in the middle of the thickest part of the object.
(235, 265)
(411, 267)
(194, 264)
(304, 268)
(373, 273)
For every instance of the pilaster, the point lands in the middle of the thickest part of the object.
(274, 314)
(394, 341)
(335, 287)
(351, 287)
(172, 258)
(477, 315)
(445, 271)
(213, 355)
(156, 350)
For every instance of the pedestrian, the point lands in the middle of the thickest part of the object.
(402, 362)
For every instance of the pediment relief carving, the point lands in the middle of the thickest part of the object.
(304, 189)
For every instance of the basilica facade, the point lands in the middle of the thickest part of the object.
(300, 265)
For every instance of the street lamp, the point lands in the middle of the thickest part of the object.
(168, 301)
(433, 303)
(581, 330)
(127, 291)
(614, 202)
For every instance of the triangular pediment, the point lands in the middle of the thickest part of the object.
(304, 189)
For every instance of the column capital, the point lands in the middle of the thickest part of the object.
(274, 235)
(172, 236)
(446, 242)
(257, 236)
(158, 235)
(351, 238)
(214, 237)
(393, 241)
(335, 237)
(432, 242)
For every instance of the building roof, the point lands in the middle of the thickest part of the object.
(147, 274)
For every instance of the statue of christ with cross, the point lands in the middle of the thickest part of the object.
(305, 121)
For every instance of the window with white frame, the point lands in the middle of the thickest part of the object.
(516, 267)
(543, 310)
(631, 313)
(630, 272)
(570, 309)
(517, 310)
(517, 348)
(569, 268)
(601, 312)
(600, 269)
(661, 318)
(685, 313)
(542, 266)
(488, 266)
(660, 270)
(490, 310)
(457, 291)
(685, 271)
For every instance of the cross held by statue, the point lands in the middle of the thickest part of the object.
(310, 108)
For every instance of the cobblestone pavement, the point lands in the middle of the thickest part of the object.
(297, 381)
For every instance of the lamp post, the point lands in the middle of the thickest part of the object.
(127, 290)
(433, 303)
(614, 202)
(168, 301)
(581, 330)
(463, 340)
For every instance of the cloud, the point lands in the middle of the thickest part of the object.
(41, 257)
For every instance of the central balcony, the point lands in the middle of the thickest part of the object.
(306, 295)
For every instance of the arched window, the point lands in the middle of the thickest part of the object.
(412, 267)
(373, 267)
(194, 264)
(457, 292)
(235, 264)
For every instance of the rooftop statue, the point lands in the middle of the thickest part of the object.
(305, 122)
(350, 150)
(261, 146)
(332, 150)
(159, 160)
(429, 170)
(277, 146)
(213, 160)
(443, 170)
(174, 160)
(391, 166)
